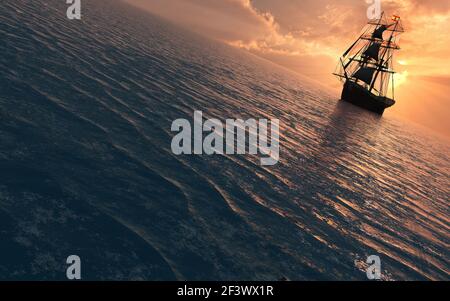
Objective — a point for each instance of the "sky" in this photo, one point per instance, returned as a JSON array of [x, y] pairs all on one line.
[[308, 36]]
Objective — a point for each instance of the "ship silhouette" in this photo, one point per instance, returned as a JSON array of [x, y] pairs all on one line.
[[366, 68]]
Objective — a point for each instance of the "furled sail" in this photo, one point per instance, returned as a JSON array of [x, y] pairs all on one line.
[[365, 74], [373, 51], [378, 33], [367, 63]]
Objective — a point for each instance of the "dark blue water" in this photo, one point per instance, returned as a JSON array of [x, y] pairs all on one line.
[[86, 166]]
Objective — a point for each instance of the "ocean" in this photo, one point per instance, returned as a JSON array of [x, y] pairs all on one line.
[[86, 166]]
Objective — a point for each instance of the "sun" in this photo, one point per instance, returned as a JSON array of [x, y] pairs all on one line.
[[400, 78]]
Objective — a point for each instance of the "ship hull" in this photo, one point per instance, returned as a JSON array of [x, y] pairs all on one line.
[[361, 97]]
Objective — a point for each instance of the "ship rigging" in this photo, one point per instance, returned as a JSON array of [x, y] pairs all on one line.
[[366, 68]]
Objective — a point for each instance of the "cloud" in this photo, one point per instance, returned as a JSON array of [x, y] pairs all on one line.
[[287, 31], [308, 36], [226, 20], [237, 22]]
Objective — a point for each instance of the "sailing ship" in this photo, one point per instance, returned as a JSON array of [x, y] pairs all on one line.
[[366, 68]]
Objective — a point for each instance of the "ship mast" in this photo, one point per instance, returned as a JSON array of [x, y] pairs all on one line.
[[386, 50], [368, 61]]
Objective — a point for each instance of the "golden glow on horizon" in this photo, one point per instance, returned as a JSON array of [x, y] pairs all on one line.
[[309, 36], [400, 78]]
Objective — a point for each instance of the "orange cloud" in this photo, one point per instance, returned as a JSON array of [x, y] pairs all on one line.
[[308, 36]]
